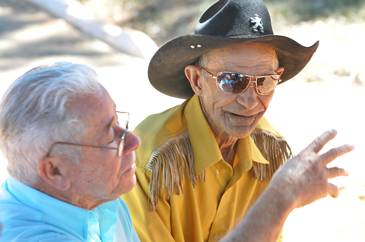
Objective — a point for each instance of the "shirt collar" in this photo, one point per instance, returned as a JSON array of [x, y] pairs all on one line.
[[72, 219], [205, 148], [247, 152]]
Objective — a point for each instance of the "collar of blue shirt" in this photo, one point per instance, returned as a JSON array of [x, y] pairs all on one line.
[[33, 206]]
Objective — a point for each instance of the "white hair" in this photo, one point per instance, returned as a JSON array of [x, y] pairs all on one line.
[[34, 114]]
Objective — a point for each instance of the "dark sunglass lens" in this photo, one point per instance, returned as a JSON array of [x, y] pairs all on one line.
[[242, 83], [225, 82], [232, 82], [266, 84], [261, 81]]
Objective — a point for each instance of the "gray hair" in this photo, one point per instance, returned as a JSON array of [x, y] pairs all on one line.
[[202, 60], [34, 114]]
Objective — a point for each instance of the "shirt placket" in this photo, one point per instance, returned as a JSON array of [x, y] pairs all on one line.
[[93, 227], [228, 177]]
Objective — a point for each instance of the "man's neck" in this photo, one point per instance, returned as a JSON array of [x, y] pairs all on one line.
[[227, 146], [226, 143], [68, 197]]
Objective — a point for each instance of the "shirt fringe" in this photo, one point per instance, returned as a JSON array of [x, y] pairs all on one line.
[[168, 165], [275, 149], [172, 160]]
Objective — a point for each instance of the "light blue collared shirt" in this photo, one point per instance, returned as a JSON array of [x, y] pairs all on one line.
[[27, 214]]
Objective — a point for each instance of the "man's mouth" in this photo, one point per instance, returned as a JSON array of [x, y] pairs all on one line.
[[242, 119], [131, 165], [244, 116]]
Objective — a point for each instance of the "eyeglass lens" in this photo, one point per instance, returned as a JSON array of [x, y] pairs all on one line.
[[121, 142], [123, 121], [237, 82]]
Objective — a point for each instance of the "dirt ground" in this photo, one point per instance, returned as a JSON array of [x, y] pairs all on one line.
[[329, 93]]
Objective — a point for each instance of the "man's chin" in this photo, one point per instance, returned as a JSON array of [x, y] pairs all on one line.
[[129, 184], [242, 129], [241, 132], [125, 186]]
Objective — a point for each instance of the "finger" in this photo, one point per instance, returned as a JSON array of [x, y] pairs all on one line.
[[334, 153], [321, 140], [335, 172], [332, 190]]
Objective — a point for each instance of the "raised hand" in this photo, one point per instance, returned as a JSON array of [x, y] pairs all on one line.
[[304, 178]]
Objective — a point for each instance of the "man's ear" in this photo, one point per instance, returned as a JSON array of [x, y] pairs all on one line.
[[280, 70], [193, 74], [53, 172]]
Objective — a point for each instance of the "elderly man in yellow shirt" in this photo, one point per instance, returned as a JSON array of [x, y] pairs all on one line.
[[202, 164]]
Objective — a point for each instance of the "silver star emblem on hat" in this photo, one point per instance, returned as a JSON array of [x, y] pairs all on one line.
[[256, 24]]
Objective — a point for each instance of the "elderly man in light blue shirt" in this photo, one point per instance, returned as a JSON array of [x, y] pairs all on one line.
[[70, 157]]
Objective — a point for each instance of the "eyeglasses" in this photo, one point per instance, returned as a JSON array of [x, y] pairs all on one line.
[[235, 82], [122, 119]]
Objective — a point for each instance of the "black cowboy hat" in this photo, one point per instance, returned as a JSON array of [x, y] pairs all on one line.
[[224, 23]]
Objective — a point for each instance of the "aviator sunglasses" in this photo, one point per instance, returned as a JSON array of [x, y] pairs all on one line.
[[235, 82]]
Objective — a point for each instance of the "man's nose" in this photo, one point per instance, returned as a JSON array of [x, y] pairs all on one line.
[[249, 98], [131, 142]]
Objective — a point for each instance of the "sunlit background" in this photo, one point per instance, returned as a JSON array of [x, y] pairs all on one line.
[[328, 93]]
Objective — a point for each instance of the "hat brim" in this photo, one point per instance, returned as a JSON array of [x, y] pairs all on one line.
[[166, 68]]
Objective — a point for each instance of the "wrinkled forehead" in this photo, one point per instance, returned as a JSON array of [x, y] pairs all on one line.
[[92, 105], [242, 52], [95, 111]]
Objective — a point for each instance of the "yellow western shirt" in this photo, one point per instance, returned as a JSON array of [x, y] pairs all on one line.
[[200, 202]]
